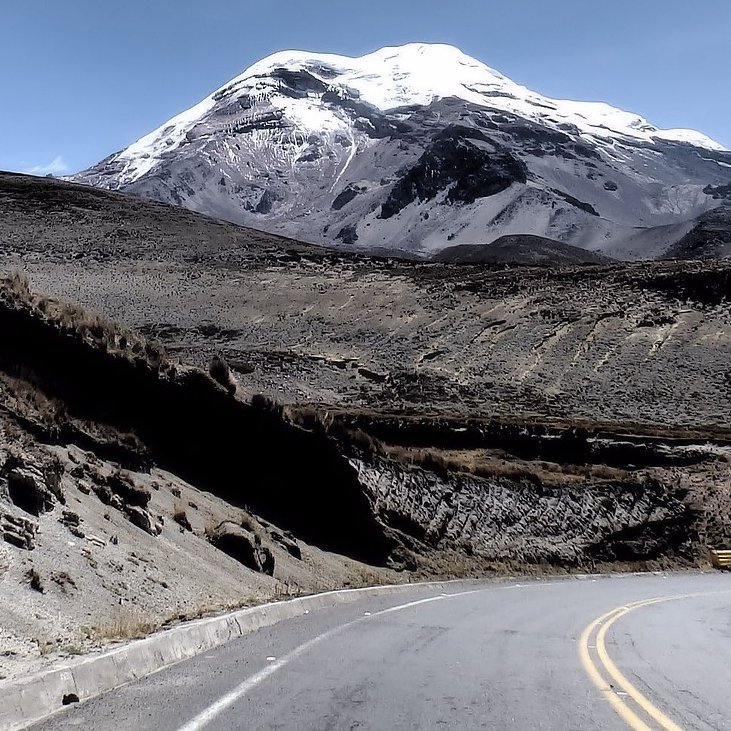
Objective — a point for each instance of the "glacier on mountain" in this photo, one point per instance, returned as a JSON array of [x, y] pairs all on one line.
[[320, 146]]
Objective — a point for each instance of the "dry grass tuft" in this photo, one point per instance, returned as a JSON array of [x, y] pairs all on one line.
[[210, 527], [87, 326], [287, 590], [221, 374], [46, 646], [17, 283], [248, 523], [483, 463], [127, 625], [180, 516]]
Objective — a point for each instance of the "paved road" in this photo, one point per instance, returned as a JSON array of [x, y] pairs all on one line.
[[589, 653]]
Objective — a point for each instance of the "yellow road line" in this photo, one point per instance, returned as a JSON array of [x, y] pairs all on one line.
[[621, 680], [602, 625], [619, 706]]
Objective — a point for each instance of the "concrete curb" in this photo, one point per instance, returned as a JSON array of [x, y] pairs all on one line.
[[29, 699]]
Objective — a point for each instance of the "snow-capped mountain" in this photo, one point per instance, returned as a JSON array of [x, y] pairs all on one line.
[[421, 147]]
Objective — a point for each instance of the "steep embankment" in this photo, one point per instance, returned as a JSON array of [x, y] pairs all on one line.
[[128, 485], [110, 383], [525, 493]]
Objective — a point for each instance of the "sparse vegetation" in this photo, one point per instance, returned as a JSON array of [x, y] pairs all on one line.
[[247, 522], [46, 645], [17, 283], [287, 590], [127, 625], [91, 328], [210, 527], [483, 463]]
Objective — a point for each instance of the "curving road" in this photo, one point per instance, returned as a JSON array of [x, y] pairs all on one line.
[[639, 652]]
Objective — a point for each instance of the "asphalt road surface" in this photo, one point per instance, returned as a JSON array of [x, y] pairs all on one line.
[[639, 652]]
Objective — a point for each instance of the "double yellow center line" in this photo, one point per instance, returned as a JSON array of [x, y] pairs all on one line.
[[609, 679]]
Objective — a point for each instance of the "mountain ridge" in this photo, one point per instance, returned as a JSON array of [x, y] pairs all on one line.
[[316, 146]]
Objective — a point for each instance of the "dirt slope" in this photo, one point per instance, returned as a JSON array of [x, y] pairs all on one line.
[[526, 250], [134, 490]]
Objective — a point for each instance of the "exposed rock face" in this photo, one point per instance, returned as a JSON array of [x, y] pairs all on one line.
[[28, 487], [244, 546], [710, 237], [18, 530], [31, 487], [455, 163], [288, 542], [131, 493], [505, 520], [141, 518], [73, 522]]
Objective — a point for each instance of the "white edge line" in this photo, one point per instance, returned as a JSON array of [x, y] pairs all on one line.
[[207, 715]]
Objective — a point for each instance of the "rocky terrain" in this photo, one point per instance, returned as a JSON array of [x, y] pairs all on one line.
[[120, 512], [437, 419], [421, 147], [307, 324]]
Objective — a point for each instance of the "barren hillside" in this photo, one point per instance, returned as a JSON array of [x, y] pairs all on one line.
[[391, 420]]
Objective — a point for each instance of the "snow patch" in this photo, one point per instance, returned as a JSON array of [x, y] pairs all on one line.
[[414, 74]]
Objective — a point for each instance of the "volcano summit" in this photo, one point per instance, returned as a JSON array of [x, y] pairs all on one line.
[[421, 147]]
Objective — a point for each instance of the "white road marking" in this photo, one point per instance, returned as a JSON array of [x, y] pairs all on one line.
[[215, 709]]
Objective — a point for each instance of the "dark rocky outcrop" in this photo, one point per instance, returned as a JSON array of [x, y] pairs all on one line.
[[299, 83], [142, 519], [18, 531], [581, 205], [347, 195], [288, 542], [708, 287], [266, 202], [455, 162], [718, 192], [348, 234], [131, 493], [34, 488], [522, 250], [72, 521], [243, 546], [710, 237]]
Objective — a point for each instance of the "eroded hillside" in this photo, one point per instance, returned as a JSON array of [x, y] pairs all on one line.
[[136, 491], [632, 342], [386, 419]]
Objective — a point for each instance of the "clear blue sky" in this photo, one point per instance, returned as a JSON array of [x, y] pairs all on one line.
[[81, 79]]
